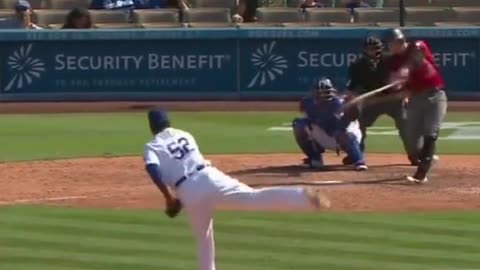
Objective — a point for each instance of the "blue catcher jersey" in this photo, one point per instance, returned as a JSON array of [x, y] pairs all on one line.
[[323, 113]]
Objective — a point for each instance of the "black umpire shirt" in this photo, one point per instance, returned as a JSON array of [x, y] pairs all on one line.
[[364, 77]]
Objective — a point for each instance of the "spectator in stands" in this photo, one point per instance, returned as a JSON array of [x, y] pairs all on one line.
[[78, 18], [246, 10], [304, 4], [138, 4], [22, 18], [353, 4]]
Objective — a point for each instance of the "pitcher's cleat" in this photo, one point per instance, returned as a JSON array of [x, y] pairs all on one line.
[[318, 200]]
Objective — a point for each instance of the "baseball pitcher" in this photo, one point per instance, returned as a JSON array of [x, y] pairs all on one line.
[[325, 128], [188, 181], [424, 87]]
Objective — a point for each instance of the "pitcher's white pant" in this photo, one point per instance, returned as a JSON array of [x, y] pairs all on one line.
[[328, 142], [205, 190]]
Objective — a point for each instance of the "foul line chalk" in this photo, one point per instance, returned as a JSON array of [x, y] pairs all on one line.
[[51, 199]]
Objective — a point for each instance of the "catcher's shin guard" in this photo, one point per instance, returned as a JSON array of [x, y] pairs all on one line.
[[349, 144], [309, 147]]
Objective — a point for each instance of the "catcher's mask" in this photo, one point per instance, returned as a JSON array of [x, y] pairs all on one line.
[[324, 89], [372, 50]]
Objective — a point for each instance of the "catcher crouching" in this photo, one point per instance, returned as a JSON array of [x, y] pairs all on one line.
[[325, 127]]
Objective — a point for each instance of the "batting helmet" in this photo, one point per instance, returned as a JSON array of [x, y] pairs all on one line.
[[324, 88], [394, 35]]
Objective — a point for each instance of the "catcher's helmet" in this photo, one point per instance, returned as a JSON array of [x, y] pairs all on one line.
[[394, 35], [324, 88]]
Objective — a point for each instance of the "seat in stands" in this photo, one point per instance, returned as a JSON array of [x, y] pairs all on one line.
[[304, 24], [10, 4], [467, 14], [6, 13], [456, 3], [161, 25], [408, 3], [211, 25], [109, 16], [155, 16], [116, 25], [230, 4], [279, 15], [258, 25], [44, 17], [375, 14], [363, 24], [457, 24], [219, 15], [396, 24], [67, 4], [428, 15], [328, 15]]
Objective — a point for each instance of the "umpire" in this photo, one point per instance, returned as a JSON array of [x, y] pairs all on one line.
[[368, 73]]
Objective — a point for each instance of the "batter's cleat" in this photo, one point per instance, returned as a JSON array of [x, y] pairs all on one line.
[[361, 167], [417, 181], [318, 200]]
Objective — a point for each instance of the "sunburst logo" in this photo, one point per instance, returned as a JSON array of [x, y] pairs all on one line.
[[269, 65], [25, 68]]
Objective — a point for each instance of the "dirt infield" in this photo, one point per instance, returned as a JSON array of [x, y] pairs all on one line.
[[122, 183]]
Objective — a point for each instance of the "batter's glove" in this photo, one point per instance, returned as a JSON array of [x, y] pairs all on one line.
[[174, 207]]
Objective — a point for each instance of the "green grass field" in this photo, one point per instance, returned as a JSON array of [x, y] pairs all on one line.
[[54, 238], [26, 137]]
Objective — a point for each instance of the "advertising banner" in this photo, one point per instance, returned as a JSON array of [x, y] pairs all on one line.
[[111, 66]]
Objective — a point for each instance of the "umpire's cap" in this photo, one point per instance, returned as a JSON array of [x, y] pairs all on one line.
[[393, 35], [158, 120]]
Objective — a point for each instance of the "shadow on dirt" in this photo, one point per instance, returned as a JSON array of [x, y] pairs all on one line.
[[297, 170], [290, 170], [385, 181]]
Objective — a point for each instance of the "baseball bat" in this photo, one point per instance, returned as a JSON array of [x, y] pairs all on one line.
[[362, 97]]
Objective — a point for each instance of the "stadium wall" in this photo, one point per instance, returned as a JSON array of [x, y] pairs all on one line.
[[207, 64]]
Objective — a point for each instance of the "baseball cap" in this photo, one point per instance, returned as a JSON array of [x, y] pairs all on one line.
[[22, 5], [158, 119]]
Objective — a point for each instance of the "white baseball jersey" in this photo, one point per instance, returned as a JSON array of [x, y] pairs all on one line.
[[176, 152], [178, 155]]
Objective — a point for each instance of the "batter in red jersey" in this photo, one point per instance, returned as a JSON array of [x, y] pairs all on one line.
[[425, 100]]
